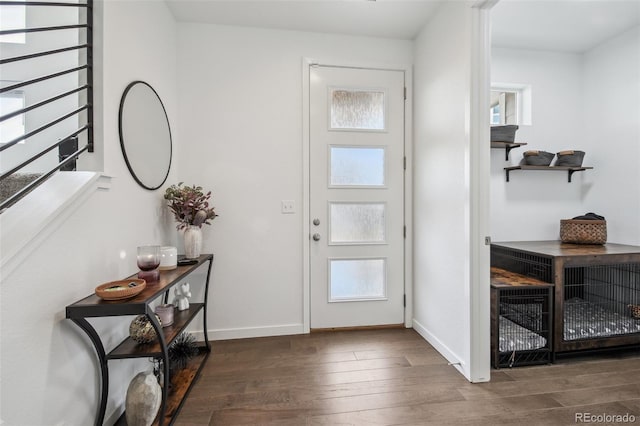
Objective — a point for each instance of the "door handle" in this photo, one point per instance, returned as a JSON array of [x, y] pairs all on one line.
[[316, 222], [316, 237]]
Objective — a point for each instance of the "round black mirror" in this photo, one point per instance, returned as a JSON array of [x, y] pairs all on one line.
[[145, 135]]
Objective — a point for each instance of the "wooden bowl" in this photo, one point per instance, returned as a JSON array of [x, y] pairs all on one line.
[[122, 289]]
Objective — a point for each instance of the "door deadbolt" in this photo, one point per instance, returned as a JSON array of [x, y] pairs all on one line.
[[316, 222], [316, 237]]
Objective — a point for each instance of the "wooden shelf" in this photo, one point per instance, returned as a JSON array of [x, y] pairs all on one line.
[[507, 146], [570, 170], [501, 278], [94, 306], [129, 348]]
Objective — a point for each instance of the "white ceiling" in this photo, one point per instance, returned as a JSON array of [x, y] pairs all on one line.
[[401, 19], [568, 26], [562, 25]]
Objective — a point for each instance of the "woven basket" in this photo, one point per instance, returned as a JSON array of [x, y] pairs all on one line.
[[583, 231], [538, 158], [503, 133], [570, 158]]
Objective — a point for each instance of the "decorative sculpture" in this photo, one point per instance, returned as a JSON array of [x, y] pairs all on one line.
[[181, 351], [182, 295], [144, 396], [141, 330]]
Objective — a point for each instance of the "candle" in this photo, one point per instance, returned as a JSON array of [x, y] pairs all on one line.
[[165, 312], [148, 261]]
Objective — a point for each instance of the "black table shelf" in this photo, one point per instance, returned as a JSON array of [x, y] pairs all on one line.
[[174, 388]]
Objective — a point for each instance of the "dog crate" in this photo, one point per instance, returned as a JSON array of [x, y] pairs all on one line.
[[600, 301], [596, 290], [521, 320]]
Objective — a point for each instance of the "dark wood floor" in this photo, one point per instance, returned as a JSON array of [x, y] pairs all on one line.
[[378, 377]]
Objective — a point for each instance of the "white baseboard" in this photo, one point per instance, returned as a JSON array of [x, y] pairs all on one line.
[[444, 350], [248, 332]]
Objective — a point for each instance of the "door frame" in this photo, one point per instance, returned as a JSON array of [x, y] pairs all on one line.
[[307, 63], [480, 173]]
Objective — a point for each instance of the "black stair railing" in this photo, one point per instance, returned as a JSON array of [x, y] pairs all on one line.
[[80, 67]]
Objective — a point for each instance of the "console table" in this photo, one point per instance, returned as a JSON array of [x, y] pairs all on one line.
[[93, 306]]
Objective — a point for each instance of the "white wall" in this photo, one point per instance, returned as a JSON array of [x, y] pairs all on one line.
[[588, 101], [49, 368], [442, 77], [530, 206], [612, 133], [241, 125]]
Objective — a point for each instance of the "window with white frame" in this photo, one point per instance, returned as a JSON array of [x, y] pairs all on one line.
[[510, 104]]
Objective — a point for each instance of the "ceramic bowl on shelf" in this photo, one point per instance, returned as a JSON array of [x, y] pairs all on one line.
[[168, 258], [122, 289]]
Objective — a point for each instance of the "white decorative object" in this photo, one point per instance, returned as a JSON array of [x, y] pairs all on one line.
[[182, 293], [144, 396], [192, 241], [168, 258]]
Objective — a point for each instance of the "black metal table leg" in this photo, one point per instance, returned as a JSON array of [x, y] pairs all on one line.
[[165, 361], [206, 299], [97, 344]]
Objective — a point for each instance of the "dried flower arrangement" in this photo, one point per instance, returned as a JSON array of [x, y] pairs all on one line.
[[189, 205]]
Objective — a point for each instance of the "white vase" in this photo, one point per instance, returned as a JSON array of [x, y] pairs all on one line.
[[192, 241], [144, 396]]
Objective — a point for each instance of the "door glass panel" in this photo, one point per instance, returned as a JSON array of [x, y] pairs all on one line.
[[352, 223], [357, 109], [357, 279], [356, 166]]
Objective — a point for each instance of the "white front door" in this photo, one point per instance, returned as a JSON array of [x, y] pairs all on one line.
[[356, 197]]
